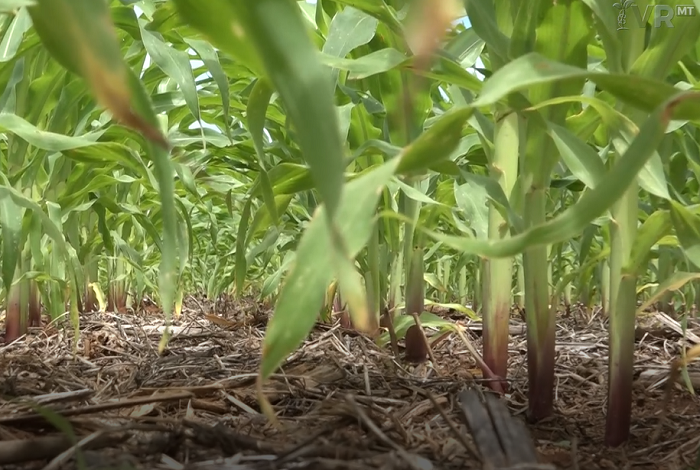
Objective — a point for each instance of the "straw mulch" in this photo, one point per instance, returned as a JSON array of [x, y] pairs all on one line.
[[343, 403]]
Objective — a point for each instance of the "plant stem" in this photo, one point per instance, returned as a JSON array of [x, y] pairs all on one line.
[[498, 273]]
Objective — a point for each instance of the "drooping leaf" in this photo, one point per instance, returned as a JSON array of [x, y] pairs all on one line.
[[81, 36], [304, 290], [534, 69]]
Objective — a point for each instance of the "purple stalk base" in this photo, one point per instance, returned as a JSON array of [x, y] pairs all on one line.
[[495, 337], [13, 318], [34, 315], [617, 423], [620, 376], [540, 360]]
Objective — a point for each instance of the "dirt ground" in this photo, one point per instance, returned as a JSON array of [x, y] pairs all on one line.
[[343, 403]]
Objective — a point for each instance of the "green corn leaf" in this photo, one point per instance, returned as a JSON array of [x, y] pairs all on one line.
[[257, 109], [687, 227], [210, 58], [404, 322], [176, 64], [657, 226], [49, 226], [241, 263], [226, 29], [281, 43], [435, 144], [671, 284], [525, 29], [304, 289], [579, 157], [466, 48], [12, 39], [349, 29], [651, 178], [262, 218], [593, 203], [497, 197], [368, 65], [45, 140], [483, 19], [11, 224], [668, 45], [606, 26], [81, 36], [378, 9], [534, 69]]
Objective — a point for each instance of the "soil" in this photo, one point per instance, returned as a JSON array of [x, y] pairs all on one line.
[[341, 401]]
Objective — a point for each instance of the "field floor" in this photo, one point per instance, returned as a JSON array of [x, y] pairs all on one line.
[[343, 403]]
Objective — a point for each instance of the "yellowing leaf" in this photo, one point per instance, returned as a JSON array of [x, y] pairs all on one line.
[[81, 36]]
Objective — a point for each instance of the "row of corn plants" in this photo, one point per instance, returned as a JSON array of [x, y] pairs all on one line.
[[342, 150]]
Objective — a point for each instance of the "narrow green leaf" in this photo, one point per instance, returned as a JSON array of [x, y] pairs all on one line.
[[211, 61], [535, 69], [448, 71], [349, 29], [673, 283], [497, 197], [466, 48], [225, 28], [368, 65], [413, 193], [522, 40], [262, 219], [48, 225], [14, 35], [304, 290], [11, 224], [471, 200], [404, 322], [562, 35], [657, 226], [667, 46], [258, 102], [81, 36], [652, 177], [45, 140], [279, 35], [241, 264], [378, 9], [482, 16], [176, 64], [579, 157], [606, 25], [321, 18], [436, 143], [687, 226], [345, 119], [63, 425]]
